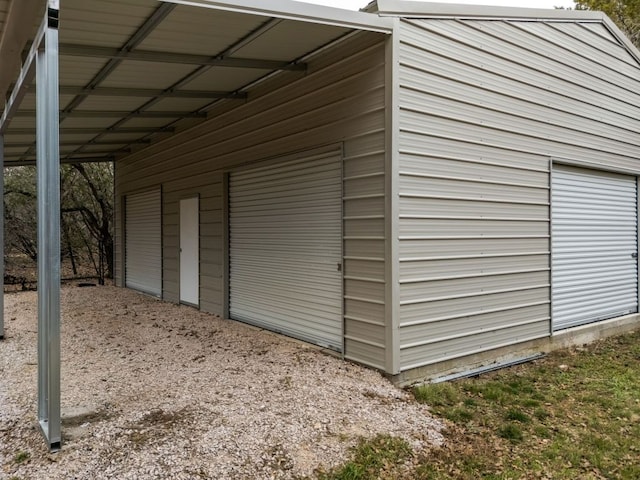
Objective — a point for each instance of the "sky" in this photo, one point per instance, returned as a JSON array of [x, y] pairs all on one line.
[[357, 4]]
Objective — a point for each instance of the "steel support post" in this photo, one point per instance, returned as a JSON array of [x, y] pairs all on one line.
[[2, 233], [48, 167]]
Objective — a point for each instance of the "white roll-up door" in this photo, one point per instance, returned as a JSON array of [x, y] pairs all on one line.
[[285, 242], [143, 242], [594, 246]]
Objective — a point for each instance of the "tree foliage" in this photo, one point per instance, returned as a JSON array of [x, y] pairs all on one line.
[[625, 13], [86, 215]]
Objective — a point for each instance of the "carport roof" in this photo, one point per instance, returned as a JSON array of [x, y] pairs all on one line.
[[133, 70]]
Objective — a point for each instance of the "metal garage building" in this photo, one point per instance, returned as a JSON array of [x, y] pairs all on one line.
[[424, 188]]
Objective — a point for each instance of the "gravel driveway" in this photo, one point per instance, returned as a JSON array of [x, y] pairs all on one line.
[[155, 390]]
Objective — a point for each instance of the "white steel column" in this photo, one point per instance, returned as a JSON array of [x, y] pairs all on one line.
[[48, 159], [2, 233]]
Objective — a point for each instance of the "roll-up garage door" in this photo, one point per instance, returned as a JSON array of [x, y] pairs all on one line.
[[143, 242], [285, 243], [594, 246]]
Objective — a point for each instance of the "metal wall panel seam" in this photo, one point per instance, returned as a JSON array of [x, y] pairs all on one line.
[[479, 218], [423, 154], [478, 275], [364, 320], [364, 300], [470, 257], [473, 180], [364, 279], [417, 323], [472, 294], [372, 153], [363, 217], [470, 333], [364, 176], [527, 134], [506, 147], [473, 199], [366, 342], [367, 259], [469, 108]]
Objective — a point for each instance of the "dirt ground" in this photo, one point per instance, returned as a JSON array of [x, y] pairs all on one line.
[[155, 390]]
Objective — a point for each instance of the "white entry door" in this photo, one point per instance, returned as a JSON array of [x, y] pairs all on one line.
[[189, 251]]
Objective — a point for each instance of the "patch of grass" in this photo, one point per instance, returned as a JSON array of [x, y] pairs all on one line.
[[459, 415], [517, 416], [511, 431], [21, 457], [370, 459], [574, 414], [438, 394]]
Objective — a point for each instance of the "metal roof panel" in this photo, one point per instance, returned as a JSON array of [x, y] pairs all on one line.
[[170, 36], [276, 43], [135, 74]]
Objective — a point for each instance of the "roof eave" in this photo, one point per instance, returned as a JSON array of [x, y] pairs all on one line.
[[306, 12], [621, 37], [405, 8]]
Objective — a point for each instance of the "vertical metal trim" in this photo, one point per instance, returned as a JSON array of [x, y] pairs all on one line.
[[114, 254], [2, 233], [123, 240], [392, 207], [551, 329], [638, 238], [162, 289], [226, 247], [48, 169], [343, 352]]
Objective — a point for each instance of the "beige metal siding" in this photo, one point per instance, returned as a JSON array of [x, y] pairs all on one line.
[[339, 100], [483, 107]]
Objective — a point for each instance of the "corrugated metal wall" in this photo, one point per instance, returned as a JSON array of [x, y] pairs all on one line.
[[340, 99], [484, 107]]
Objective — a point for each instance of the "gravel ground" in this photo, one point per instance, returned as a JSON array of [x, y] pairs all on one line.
[[155, 390]]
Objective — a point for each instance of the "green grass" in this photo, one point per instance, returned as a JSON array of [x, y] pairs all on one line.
[[21, 457], [372, 459], [574, 414]]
